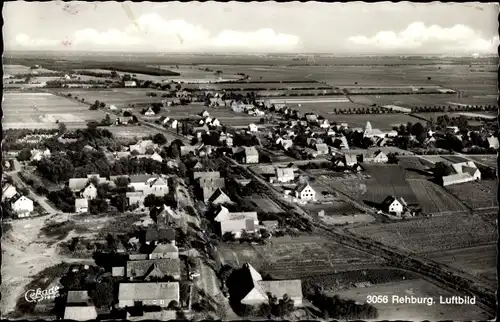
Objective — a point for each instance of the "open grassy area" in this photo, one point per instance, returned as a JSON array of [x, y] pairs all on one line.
[[476, 194], [434, 234], [433, 199], [120, 97], [383, 122], [42, 110]]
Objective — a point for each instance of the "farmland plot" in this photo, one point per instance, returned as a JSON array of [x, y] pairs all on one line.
[[251, 86], [334, 208], [121, 97], [297, 256], [477, 260], [264, 73], [477, 195], [433, 199], [379, 121], [263, 204], [434, 234], [42, 110], [418, 312], [415, 167], [16, 69], [387, 180], [488, 160], [136, 131]]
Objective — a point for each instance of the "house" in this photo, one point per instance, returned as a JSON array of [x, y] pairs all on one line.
[[393, 205], [89, 192], [146, 270], [118, 271], [305, 192], [80, 313], [236, 222], [204, 114], [136, 198], [174, 124], [340, 142], [452, 129], [253, 128], [251, 155], [208, 182], [146, 294], [219, 197], [285, 175], [375, 157], [165, 251], [78, 298], [22, 206], [463, 172], [81, 205], [313, 118], [287, 144], [493, 142], [325, 124], [157, 186], [149, 112], [200, 131], [155, 156], [322, 149], [130, 84], [166, 216], [124, 120], [142, 146], [215, 122], [113, 108], [187, 149], [8, 192], [270, 224], [155, 234], [257, 289], [37, 155]]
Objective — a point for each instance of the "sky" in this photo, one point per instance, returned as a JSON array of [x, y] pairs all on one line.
[[257, 27]]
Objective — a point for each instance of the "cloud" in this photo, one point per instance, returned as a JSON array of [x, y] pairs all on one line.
[[459, 38], [151, 31]]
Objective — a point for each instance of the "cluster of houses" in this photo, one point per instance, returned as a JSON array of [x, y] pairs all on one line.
[[22, 206], [141, 186]]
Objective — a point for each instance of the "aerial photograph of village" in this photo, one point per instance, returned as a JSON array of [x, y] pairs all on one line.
[[249, 161]]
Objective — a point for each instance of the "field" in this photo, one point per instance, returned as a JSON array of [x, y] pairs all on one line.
[[264, 73], [387, 180], [383, 122], [433, 199], [42, 110], [119, 97], [195, 74], [476, 195], [244, 86], [479, 260], [16, 69], [488, 160], [434, 234], [135, 131], [334, 208], [262, 204], [418, 312], [293, 257]]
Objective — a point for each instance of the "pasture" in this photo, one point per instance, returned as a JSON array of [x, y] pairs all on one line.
[[477, 195], [384, 122], [435, 200], [121, 97], [415, 167], [426, 235], [488, 160], [137, 131], [476, 260], [42, 110], [334, 208], [326, 109], [418, 312], [263, 204], [196, 74], [244, 86], [264, 73], [293, 257], [16, 69]]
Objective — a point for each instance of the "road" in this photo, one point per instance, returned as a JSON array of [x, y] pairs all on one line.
[[32, 194], [445, 277]]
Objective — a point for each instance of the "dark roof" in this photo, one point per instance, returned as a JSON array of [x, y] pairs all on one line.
[[154, 234], [139, 268]]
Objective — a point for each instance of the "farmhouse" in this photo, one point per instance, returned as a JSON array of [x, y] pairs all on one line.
[[305, 192], [322, 149], [146, 270], [81, 205], [350, 160], [89, 192], [113, 108], [200, 131], [136, 198], [393, 205], [208, 183], [149, 112], [257, 289], [253, 128], [251, 155], [236, 222], [124, 120], [493, 142], [373, 157], [130, 84], [157, 294], [22, 206], [464, 172], [142, 146]]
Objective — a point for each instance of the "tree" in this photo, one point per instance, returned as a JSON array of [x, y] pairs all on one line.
[[228, 236], [24, 191], [150, 201], [103, 295], [62, 128], [225, 272], [159, 139], [392, 158], [121, 202], [418, 130], [24, 154], [441, 169]]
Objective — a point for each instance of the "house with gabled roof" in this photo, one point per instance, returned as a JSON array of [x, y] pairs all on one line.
[[258, 290], [374, 157], [463, 172], [236, 222], [493, 142], [148, 294], [37, 155], [165, 250], [22, 206], [305, 192], [78, 298], [155, 156], [219, 197], [285, 175], [208, 182], [89, 192], [322, 149], [393, 205], [130, 84], [350, 159], [253, 127], [81, 205], [146, 270]]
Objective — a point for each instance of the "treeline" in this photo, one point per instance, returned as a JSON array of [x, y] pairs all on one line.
[[449, 108], [304, 81]]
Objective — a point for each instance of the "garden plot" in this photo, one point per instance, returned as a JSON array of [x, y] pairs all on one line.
[[435, 200], [477, 195]]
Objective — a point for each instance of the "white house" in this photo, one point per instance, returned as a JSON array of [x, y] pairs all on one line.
[[130, 84], [252, 127], [464, 172], [89, 192], [81, 205], [215, 122], [285, 175], [205, 113], [322, 149], [350, 160], [174, 124], [305, 192], [393, 206], [22, 206], [493, 142], [149, 112], [155, 156], [113, 108], [236, 222], [37, 155], [251, 155]]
